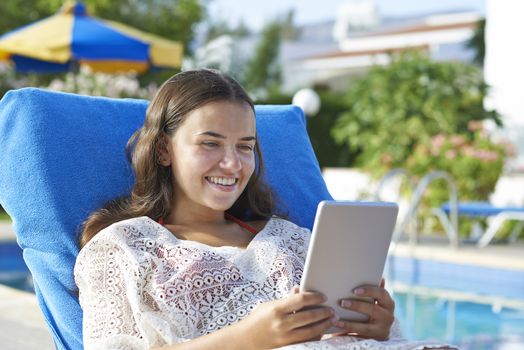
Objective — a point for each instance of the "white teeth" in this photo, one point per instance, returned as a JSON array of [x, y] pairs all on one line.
[[224, 181]]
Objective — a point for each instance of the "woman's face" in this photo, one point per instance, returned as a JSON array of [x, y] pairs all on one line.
[[212, 156]]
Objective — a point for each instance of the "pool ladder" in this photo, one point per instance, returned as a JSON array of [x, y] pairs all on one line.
[[408, 223]]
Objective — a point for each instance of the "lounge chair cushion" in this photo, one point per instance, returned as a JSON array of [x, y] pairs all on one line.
[[481, 209], [63, 157]]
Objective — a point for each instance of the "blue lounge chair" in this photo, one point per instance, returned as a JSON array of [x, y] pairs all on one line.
[[63, 156], [498, 215]]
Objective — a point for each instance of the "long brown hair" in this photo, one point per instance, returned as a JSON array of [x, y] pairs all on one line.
[[152, 192]]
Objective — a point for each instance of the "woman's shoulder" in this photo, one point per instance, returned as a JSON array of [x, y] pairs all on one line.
[[124, 240], [283, 227], [289, 235], [124, 233], [288, 222]]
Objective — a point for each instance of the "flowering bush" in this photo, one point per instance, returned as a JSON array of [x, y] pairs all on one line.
[[10, 80], [474, 161], [394, 108], [86, 82], [83, 82]]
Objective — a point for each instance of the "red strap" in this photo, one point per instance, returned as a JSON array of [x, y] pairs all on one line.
[[241, 223], [228, 217]]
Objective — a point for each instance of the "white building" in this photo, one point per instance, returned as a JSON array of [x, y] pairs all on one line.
[[369, 40], [504, 69], [333, 52]]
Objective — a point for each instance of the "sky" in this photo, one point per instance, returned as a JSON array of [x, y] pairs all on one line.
[[257, 12]]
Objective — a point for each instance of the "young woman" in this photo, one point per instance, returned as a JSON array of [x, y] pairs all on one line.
[[174, 266]]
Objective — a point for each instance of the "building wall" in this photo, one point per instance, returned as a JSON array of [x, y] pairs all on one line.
[[504, 69]]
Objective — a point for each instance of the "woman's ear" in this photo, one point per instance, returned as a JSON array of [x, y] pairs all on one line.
[[162, 151]]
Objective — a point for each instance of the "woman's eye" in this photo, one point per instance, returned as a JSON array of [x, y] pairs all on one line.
[[210, 144], [246, 147]]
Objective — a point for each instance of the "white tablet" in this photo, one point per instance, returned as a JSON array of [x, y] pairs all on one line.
[[348, 249]]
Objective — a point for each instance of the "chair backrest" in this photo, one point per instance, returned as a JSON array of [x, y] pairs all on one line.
[[63, 157]]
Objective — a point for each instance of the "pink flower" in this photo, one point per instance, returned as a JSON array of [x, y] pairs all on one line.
[[468, 151], [386, 159], [474, 125], [450, 154], [509, 148], [457, 140], [438, 141], [486, 155]]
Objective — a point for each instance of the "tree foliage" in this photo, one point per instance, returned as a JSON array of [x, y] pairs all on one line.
[[395, 107], [16, 13], [287, 26], [172, 19], [263, 70], [222, 27], [327, 151], [478, 43]]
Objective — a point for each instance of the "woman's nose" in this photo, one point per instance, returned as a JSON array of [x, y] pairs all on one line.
[[231, 160]]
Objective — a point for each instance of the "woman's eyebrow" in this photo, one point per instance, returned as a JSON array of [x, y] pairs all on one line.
[[212, 134], [220, 136]]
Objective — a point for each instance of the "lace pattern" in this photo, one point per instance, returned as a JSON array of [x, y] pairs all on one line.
[[142, 287]]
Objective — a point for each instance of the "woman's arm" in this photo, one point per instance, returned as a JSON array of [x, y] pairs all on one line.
[[103, 272], [272, 324]]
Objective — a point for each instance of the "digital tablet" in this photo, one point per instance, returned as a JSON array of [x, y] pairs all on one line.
[[348, 249]]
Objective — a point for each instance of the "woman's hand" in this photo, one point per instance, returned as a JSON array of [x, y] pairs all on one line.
[[299, 317], [381, 313]]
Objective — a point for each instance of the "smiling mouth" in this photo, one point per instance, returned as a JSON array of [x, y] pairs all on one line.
[[222, 181]]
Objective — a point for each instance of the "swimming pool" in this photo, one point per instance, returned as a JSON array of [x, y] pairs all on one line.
[[475, 307], [13, 270], [472, 326], [425, 309]]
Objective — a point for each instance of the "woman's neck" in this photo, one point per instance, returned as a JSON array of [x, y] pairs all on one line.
[[192, 216]]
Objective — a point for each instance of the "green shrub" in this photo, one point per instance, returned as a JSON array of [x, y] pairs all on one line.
[[329, 153]]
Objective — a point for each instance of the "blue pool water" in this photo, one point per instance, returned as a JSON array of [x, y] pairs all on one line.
[[13, 271], [472, 326]]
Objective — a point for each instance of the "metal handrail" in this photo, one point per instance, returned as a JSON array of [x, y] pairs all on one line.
[[452, 228], [390, 175], [403, 174]]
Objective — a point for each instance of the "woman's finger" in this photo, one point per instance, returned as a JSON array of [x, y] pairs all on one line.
[[310, 316], [376, 293], [295, 302], [373, 311]]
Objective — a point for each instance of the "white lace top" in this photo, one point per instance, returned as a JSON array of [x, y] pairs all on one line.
[[141, 287]]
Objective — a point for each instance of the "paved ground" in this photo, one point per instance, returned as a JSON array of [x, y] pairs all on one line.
[[6, 231], [504, 256], [21, 322]]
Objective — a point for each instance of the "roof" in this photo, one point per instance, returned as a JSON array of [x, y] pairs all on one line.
[[336, 54]]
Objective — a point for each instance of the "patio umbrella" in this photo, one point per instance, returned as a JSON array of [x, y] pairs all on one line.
[[72, 38]]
